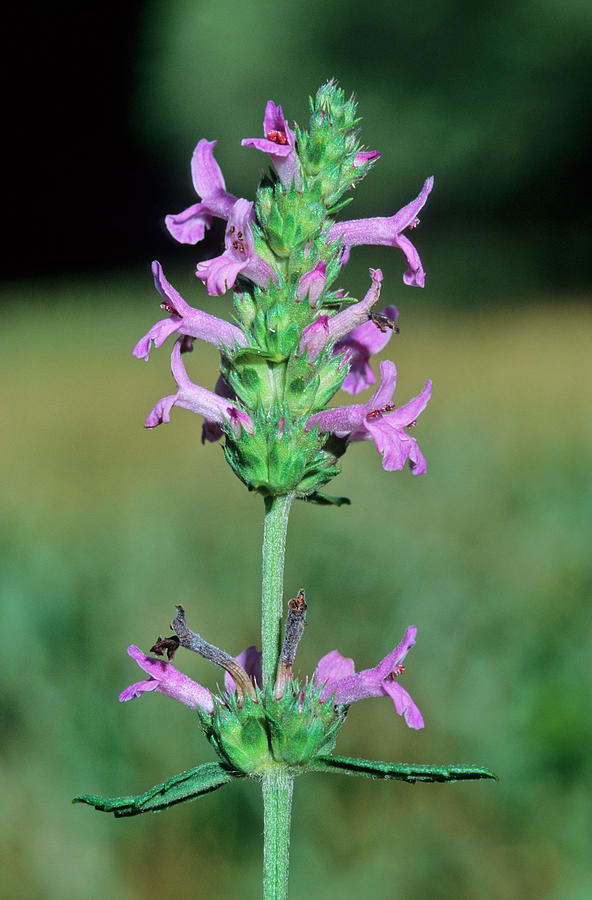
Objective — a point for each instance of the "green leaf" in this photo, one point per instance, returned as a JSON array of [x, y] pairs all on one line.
[[338, 206], [326, 499], [185, 786], [397, 771]]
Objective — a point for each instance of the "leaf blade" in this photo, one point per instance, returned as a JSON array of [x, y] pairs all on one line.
[[399, 771], [187, 785]]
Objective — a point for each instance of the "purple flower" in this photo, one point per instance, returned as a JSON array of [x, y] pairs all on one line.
[[341, 681], [186, 320], [166, 679], [379, 421], [219, 274], [324, 329], [189, 226], [312, 284], [388, 232], [365, 156], [359, 345], [211, 431], [190, 396], [280, 144]]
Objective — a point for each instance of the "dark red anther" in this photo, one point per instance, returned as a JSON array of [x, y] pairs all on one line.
[[277, 137], [412, 424], [397, 670], [374, 414], [168, 308], [413, 224], [388, 408]]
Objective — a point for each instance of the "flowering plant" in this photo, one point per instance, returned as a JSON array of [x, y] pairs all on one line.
[[296, 340]]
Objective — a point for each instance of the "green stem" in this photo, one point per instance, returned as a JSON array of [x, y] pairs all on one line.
[[277, 803], [277, 783], [277, 510]]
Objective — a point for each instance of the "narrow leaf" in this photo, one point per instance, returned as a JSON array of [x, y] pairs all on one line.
[[326, 499], [338, 206], [185, 786], [398, 771]]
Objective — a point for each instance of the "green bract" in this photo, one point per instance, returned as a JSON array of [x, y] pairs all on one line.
[[291, 730]]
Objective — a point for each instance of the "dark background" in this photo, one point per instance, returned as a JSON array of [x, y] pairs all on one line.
[[104, 103]]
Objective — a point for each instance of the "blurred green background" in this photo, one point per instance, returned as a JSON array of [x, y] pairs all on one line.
[[106, 527]]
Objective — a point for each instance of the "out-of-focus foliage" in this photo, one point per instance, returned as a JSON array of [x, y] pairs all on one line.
[[488, 97], [106, 527]]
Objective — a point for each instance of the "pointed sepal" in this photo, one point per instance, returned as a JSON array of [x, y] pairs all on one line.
[[186, 786], [398, 771]]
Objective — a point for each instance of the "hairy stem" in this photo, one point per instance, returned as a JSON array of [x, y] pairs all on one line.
[[277, 801], [277, 510], [277, 782]]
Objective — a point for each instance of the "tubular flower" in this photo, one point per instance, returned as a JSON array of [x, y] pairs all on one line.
[[341, 681], [379, 421], [359, 345], [325, 330], [388, 232], [312, 284], [279, 143], [220, 273], [365, 156], [211, 431], [213, 408], [166, 679], [188, 227], [186, 320]]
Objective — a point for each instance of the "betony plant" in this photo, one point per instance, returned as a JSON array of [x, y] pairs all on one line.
[[297, 338]]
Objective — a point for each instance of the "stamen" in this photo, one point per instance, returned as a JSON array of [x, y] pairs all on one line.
[[397, 670], [277, 137], [413, 224], [377, 413], [168, 307], [412, 424]]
